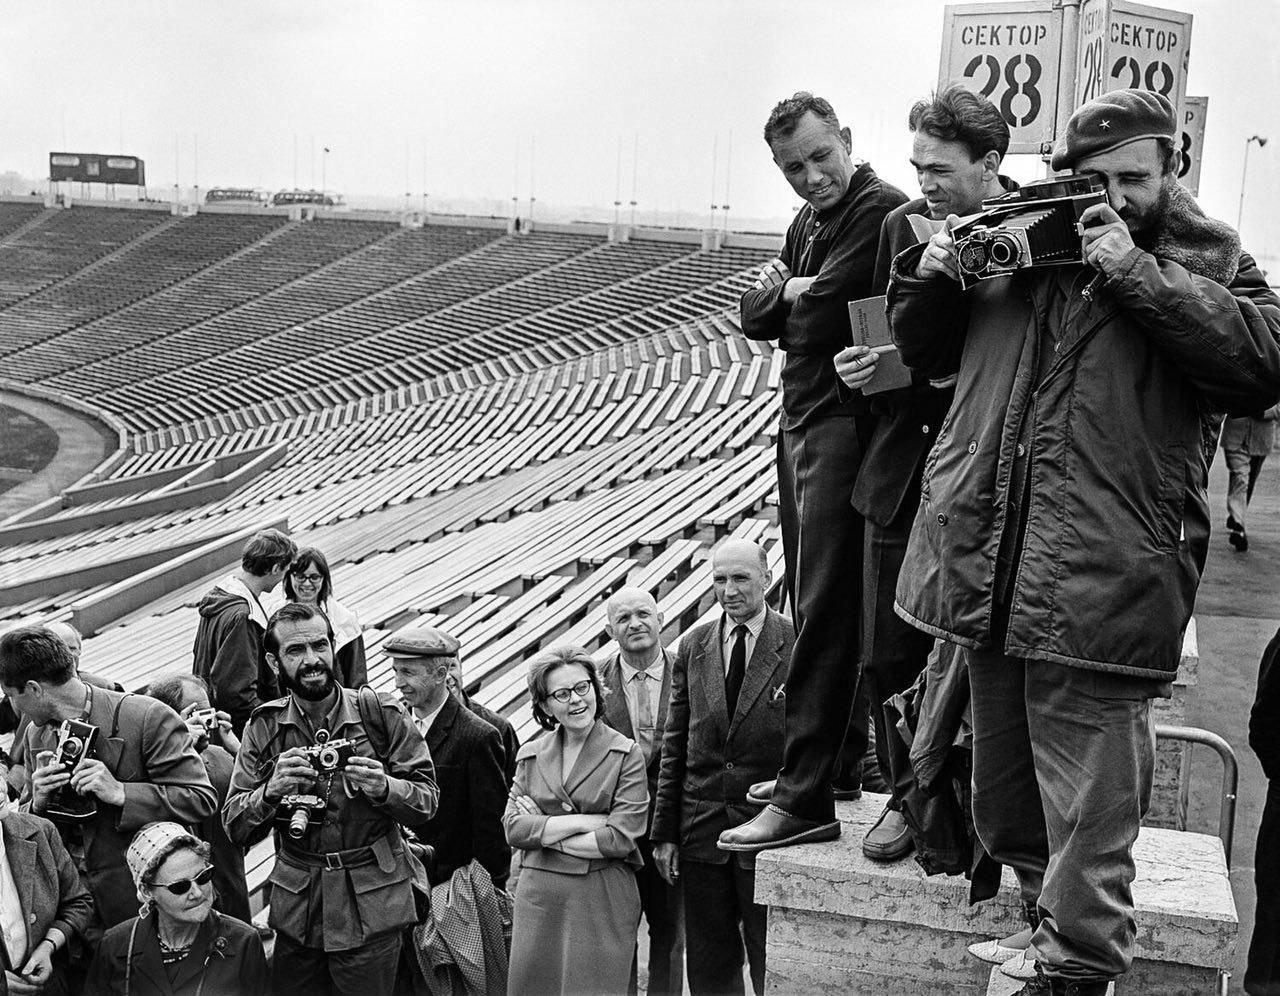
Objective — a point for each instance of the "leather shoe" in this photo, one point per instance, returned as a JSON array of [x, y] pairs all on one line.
[[889, 839], [761, 793], [1000, 949], [772, 827]]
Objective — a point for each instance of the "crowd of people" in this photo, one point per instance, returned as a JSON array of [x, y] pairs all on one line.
[[1001, 555]]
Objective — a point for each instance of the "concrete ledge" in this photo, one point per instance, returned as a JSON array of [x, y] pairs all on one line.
[[89, 615], [844, 922]]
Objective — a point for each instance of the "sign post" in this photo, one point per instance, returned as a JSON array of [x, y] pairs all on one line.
[[1194, 112], [1127, 45]]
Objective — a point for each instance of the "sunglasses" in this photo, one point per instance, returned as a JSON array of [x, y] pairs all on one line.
[[563, 694], [183, 885]]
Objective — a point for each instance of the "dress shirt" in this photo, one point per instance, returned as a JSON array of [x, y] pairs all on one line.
[[423, 723], [12, 920], [630, 688], [754, 625]]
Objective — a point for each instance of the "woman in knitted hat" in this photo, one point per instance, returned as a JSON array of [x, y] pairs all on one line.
[[177, 945]]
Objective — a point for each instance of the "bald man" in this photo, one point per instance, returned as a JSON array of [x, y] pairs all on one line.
[[637, 678], [724, 731]]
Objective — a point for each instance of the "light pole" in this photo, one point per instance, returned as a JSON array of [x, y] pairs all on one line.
[[324, 169], [1261, 140]]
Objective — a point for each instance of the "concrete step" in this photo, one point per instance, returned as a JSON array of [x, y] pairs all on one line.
[[842, 923]]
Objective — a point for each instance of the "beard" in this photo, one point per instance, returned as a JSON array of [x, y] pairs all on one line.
[[1145, 226], [311, 693]]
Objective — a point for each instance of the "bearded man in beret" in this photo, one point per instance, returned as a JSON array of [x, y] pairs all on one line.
[[1064, 520]]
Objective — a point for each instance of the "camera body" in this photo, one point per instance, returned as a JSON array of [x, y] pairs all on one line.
[[76, 741], [208, 718], [329, 756], [1036, 225], [297, 812]]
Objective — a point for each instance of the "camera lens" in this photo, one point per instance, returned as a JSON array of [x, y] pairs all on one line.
[[1004, 251], [327, 759], [298, 823], [972, 257], [72, 747]]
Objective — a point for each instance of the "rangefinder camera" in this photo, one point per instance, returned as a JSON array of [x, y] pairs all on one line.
[[329, 756], [1036, 225], [297, 812], [208, 718], [76, 741]]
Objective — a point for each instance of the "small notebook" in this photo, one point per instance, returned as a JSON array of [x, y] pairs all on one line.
[[871, 328]]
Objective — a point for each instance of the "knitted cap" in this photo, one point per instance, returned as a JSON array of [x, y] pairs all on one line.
[[152, 844], [1114, 119]]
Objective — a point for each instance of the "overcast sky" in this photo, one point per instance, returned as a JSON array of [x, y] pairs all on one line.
[[490, 95]]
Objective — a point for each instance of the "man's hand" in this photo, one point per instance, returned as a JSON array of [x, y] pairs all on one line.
[[856, 365], [227, 735], [92, 777], [1106, 239], [795, 287], [939, 257], [39, 967], [46, 780], [20, 986], [667, 858], [366, 774], [772, 274], [293, 774]]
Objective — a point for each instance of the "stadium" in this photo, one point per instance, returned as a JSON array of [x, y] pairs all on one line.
[[489, 424]]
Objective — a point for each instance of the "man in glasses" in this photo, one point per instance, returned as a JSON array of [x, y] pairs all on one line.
[[724, 731], [228, 648]]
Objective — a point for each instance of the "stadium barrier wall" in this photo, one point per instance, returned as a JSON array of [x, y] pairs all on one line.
[[89, 615]]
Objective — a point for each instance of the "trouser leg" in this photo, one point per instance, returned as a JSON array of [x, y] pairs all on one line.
[[663, 909], [1237, 484], [893, 652], [296, 968], [369, 969], [755, 922], [822, 461], [1255, 469], [1094, 746], [713, 942], [1262, 977], [1006, 810]]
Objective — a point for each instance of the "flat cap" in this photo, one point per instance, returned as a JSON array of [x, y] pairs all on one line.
[[421, 641], [1114, 119]]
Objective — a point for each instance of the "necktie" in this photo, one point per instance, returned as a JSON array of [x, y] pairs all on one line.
[[644, 714], [737, 669]]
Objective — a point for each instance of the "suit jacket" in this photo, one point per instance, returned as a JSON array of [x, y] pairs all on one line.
[[510, 742], [468, 756], [607, 778], [149, 749], [617, 715], [49, 886], [226, 959], [710, 758]]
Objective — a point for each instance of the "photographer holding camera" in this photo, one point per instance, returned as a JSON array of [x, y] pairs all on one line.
[[105, 763], [343, 886], [1063, 521]]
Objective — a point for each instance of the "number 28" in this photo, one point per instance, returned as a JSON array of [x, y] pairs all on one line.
[[1013, 85]]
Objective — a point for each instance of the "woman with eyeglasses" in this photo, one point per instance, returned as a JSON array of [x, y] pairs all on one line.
[[308, 580], [178, 944], [578, 805]]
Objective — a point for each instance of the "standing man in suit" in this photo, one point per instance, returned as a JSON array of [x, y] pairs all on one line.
[[467, 753], [724, 731], [510, 741], [637, 682]]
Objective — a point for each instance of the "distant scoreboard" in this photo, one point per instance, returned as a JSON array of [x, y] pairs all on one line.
[[90, 167]]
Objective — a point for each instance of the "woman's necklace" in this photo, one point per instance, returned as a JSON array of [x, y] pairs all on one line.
[[176, 949]]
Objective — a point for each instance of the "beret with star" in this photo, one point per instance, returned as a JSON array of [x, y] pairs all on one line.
[[1114, 119]]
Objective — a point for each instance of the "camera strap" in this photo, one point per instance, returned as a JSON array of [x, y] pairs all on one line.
[[375, 723]]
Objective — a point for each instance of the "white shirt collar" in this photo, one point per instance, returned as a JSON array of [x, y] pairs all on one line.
[[423, 722], [654, 670]]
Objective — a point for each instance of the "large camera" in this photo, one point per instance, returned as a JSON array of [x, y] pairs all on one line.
[[298, 812], [328, 756], [1036, 225], [76, 741]]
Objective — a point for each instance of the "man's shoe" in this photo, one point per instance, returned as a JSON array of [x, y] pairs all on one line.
[[1021, 966], [1239, 540], [1231, 522], [999, 950], [772, 827], [761, 793], [889, 839], [845, 793]]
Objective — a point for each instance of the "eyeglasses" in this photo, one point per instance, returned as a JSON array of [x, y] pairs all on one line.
[[183, 885], [309, 578], [564, 694]]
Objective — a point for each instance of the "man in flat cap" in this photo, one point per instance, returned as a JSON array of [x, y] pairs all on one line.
[[1063, 520], [467, 752]]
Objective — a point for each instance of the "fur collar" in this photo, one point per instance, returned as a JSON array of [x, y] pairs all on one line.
[[1198, 243]]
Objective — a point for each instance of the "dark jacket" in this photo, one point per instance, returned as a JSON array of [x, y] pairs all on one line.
[[617, 716], [510, 741], [710, 759], [149, 749], [228, 652], [49, 887], [1103, 406], [838, 246], [226, 959], [467, 753], [373, 892], [1264, 719], [228, 857]]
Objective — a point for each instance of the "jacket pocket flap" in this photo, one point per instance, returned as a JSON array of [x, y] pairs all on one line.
[[366, 878], [290, 878]]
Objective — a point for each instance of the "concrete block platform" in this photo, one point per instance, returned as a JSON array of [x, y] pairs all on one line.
[[841, 923]]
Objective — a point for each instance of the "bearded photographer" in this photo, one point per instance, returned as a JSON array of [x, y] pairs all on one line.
[[130, 762], [1064, 521], [338, 775]]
